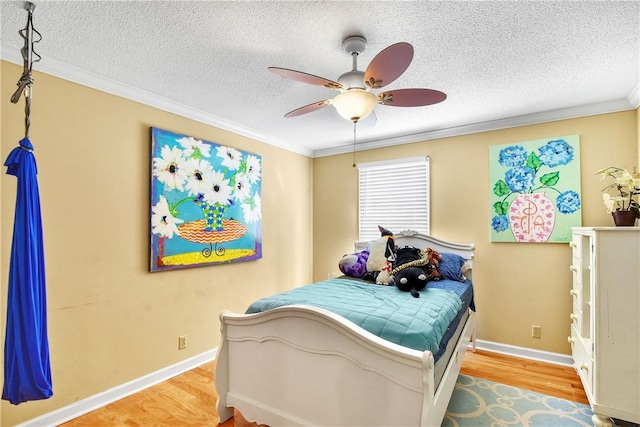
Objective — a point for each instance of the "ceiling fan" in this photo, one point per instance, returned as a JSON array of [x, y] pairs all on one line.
[[356, 101]]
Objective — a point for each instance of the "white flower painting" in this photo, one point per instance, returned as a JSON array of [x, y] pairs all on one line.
[[206, 204]]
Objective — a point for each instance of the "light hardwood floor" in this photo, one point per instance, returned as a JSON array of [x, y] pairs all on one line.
[[190, 399]]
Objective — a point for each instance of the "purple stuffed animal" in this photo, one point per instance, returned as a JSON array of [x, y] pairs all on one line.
[[354, 265]]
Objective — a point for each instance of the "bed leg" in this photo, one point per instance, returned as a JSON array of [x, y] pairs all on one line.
[[221, 375], [473, 340], [225, 413]]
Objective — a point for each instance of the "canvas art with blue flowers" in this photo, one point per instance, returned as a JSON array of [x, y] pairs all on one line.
[[535, 190], [205, 202]]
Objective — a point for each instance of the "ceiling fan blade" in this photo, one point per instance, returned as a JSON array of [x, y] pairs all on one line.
[[388, 65], [308, 108], [305, 78], [411, 97]]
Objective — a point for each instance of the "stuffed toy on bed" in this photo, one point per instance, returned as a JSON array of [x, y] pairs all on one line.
[[408, 273], [381, 254], [374, 263], [414, 268], [385, 277], [381, 250], [354, 265], [432, 267]]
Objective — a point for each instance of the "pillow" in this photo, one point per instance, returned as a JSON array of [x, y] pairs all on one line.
[[451, 266], [354, 265]]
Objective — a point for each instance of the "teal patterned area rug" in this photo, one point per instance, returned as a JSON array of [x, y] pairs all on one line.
[[478, 402]]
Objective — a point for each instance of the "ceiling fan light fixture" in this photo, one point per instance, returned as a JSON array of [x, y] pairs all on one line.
[[355, 104]]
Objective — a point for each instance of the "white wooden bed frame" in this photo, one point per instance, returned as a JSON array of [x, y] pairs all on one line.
[[301, 365]]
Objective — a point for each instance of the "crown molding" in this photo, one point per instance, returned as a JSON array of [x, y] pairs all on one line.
[[76, 75], [510, 122], [634, 96]]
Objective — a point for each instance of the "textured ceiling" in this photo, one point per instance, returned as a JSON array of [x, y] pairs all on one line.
[[498, 62]]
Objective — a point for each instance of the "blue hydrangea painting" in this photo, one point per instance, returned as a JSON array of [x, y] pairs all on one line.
[[535, 190], [206, 204]]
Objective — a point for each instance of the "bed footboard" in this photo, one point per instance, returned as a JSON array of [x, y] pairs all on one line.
[[301, 365]]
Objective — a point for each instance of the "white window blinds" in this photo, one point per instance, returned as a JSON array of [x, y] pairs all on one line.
[[395, 195]]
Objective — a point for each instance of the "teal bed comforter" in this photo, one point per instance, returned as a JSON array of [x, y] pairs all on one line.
[[417, 323]]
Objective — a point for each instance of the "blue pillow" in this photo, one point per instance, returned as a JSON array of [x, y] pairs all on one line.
[[451, 266]]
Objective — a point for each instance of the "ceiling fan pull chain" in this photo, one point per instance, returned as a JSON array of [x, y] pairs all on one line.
[[354, 143]]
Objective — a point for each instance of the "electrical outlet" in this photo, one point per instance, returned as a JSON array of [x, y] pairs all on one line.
[[536, 331], [182, 342]]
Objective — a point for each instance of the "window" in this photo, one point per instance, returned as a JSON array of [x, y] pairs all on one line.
[[395, 195]]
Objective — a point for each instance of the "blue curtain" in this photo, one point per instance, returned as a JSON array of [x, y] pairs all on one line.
[[27, 369]]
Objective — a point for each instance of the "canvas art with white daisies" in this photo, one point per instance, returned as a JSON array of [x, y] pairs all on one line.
[[205, 202]]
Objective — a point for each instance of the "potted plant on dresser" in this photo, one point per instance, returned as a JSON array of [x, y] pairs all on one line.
[[620, 197]]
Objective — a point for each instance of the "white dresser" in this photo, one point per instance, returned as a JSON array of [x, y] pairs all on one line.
[[605, 321]]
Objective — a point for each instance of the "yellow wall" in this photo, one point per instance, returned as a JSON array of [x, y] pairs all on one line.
[[517, 285], [110, 320]]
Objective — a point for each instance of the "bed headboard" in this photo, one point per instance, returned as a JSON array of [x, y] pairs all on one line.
[[420, 240]]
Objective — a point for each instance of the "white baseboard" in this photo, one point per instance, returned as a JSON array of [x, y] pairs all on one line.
[[525, 352], [99, 400]]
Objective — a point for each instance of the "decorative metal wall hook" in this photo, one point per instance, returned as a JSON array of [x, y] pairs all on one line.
[[30, 36]]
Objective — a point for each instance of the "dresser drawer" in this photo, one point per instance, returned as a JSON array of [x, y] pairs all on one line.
[[576, 319], [576, 246], [576, 273], [582, 361], [576, 297]]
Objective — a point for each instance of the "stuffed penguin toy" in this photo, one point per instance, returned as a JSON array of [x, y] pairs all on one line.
[[381, 252]]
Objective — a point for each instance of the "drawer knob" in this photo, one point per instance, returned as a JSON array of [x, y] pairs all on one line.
[[573, 245], [573, 268], [573, 293], [573, 318], [584, 367], [570, 340]]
